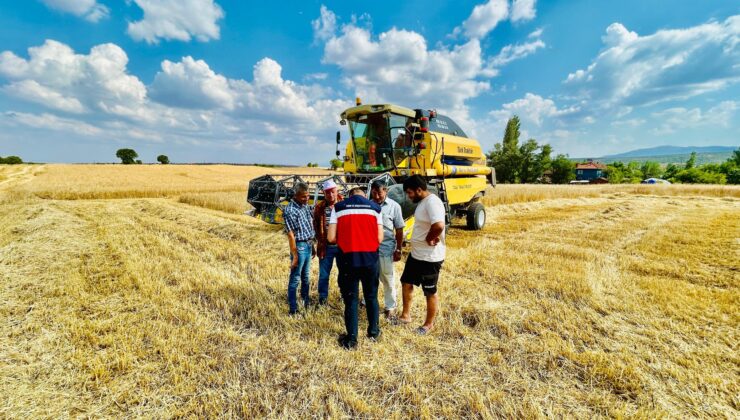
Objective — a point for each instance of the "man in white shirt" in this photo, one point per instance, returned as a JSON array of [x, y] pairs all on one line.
[[427, 250]]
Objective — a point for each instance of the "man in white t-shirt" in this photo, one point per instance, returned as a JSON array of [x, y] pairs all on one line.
[[427, 250]]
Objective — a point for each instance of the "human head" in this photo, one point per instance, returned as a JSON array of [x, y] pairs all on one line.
[[416, 188], [300, 191], [330, 192], [356, 191], [378, 191]]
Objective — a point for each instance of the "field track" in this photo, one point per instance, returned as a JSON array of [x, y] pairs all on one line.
[[612, 305]]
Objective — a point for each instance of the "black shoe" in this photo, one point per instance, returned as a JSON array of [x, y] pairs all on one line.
[[346, 342], [322, 301], [293, 312], [374, 338]]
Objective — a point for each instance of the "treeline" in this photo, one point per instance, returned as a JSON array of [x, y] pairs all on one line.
[[10, 160], [531, 162], [727, 172]]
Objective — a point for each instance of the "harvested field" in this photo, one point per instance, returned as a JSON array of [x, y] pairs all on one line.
[[623, 303]]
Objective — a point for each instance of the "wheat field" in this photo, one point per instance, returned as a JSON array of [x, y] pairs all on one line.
[[142, 292]]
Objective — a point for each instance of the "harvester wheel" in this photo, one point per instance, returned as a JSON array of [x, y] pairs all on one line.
[[476, 216]]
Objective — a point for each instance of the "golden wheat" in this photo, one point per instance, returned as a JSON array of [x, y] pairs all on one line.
[[618, 304]]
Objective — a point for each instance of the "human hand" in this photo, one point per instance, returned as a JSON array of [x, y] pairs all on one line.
[[313, 252], [433, 241], [397, 255], [294, 260]]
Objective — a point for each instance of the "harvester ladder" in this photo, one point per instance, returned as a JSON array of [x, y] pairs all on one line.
[[442, 194]]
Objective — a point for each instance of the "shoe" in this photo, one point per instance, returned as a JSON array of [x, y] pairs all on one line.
[[293, 312], [322, 301], [362, 303], [423, 331], [375, 338], [390, 314], [346, 342]]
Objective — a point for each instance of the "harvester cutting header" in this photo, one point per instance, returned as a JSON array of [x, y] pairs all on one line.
[[391, 143]]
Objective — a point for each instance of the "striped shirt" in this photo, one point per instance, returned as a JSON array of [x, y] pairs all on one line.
[[299, 220], [357, 220]]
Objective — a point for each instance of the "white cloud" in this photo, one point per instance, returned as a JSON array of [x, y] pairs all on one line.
[[514, 52], [32, 91], [673, 119], [89, 10], [533, 108], [325, 26], [673, 64], [191, 84], [179, 20], [523, 10], [50, 122], [485, 17], [410, 73], [58, 78]]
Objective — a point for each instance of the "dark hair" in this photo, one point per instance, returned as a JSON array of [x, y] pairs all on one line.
[[377, 185], [355, 191], [414, 182], [300, 188]]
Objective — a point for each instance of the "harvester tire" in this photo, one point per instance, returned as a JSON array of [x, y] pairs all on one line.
[[476, 216]]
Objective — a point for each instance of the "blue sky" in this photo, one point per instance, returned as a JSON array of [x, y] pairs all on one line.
[[243, 81]]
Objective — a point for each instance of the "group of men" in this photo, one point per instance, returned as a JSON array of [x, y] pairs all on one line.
[[365, 237]]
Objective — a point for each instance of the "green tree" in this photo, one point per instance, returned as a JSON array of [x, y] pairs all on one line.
[[527, 171], [651, 169], [736, 157], [544, 161], [615, 172], [698, 176], [563, 170], [127, 156], [671, 171], [691, 162], [138, 161], [505, 156], [163, 159], [336, 164], [633, 174], [11, 160]]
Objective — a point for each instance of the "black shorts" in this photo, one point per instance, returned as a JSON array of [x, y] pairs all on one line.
[[422, 273]]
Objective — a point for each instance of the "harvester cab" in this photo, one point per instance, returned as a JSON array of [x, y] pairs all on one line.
[[390, 143]]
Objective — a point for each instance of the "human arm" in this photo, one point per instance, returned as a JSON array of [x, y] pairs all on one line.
[[293, 249], [398, 224], [437, 212], [434, 232], [331, 233]]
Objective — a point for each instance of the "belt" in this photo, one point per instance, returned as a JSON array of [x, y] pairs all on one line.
[[305, 240]]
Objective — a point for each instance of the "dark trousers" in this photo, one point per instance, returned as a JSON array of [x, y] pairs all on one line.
[[349, 281]]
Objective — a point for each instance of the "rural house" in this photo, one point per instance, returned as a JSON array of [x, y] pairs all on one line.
[[590, 170]]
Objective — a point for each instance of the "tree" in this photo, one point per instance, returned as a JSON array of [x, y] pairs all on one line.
[[127, 156], [11, 160], [670, 171], [651, 169], [563, 170], [335, 164], [527, 171], [505, 156], [632, 173], [615, 172], [544, 161], [691, 162], [698, 176], [163, 159], [138, 161]]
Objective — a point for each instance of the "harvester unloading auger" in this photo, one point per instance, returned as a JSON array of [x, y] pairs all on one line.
[[391, 143]]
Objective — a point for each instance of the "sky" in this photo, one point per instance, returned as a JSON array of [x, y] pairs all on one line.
[[262, 82]]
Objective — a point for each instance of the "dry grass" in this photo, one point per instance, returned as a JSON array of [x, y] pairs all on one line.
[[229, 202], [513, 193], [612, 305], [75, 182]]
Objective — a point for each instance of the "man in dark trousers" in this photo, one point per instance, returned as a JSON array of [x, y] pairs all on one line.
[[357, 228]]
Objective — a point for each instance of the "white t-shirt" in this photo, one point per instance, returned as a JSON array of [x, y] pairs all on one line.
[[428, 212]]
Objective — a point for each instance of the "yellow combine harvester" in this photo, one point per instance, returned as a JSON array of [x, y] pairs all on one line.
[[390, 143]]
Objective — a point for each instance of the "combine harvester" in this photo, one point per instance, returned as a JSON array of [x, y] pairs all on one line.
[[391, 143]]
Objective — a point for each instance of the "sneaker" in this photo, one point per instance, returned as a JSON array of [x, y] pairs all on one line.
[[375, 338], [346, 343]]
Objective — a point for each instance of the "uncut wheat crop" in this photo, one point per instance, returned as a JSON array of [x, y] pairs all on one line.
[[143, 291]]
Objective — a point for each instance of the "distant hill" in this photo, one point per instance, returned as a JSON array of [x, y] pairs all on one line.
[[671, 154]]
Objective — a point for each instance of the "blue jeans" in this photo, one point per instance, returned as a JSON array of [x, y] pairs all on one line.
[[300, 274], [349, 281], [325, 265]]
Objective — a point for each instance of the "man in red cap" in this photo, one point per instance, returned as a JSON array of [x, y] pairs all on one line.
[[326, 252]]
